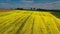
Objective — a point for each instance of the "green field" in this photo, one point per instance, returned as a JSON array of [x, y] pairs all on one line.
[[29, 22]]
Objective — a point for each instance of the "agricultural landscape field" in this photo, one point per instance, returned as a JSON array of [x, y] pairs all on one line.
[[28, 22]]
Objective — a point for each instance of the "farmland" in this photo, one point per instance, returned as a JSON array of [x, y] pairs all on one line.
[[28, 22]]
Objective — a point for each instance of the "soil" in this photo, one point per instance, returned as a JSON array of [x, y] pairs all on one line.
[[4, 10]]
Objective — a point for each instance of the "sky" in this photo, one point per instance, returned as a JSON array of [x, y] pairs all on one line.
[[45, 4]]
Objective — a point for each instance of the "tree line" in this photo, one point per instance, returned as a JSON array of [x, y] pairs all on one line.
[[38, 9]]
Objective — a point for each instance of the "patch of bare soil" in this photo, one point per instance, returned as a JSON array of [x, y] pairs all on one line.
[[4, 10]]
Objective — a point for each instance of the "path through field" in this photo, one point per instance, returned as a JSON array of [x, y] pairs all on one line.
[[28, 22]]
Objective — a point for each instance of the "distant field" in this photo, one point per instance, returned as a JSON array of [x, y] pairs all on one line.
[[28, 22], [57, 14]]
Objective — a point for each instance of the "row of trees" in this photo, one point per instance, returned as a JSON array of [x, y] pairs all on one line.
[[29, 9], [25, 9], [38, 9]]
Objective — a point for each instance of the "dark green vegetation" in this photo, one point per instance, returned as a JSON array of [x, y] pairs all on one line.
[[57, 14]]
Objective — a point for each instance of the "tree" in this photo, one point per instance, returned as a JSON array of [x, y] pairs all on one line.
[[19, 8]]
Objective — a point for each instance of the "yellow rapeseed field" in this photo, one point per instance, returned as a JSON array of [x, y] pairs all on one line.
[[28, 22]]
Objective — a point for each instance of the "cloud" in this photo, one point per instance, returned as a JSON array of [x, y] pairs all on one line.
[[29, 4], [27, 1], [53, 5]]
